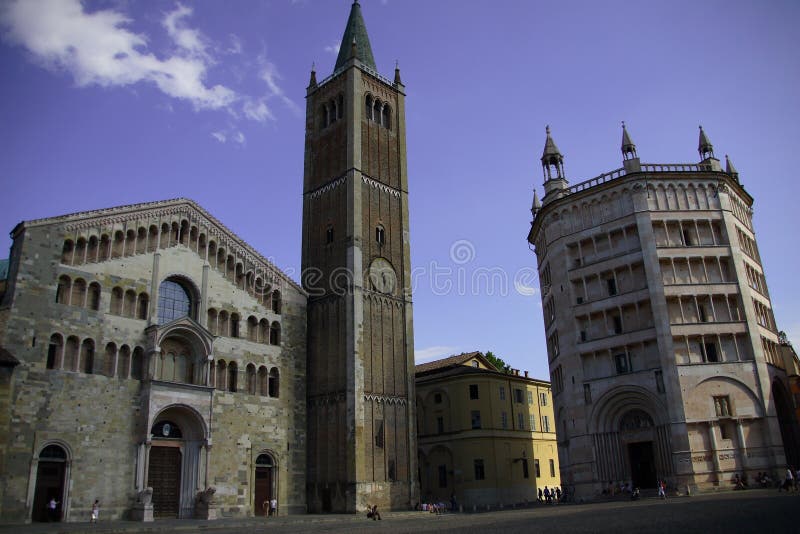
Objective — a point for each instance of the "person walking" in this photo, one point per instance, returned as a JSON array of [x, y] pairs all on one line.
[[273, 507], [788, 481], [95, 511], [52, 509], [662, 490]]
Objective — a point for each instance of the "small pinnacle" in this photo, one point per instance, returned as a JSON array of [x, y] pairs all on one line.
[[547, 129]]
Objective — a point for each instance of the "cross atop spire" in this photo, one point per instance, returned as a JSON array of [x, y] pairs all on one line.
[[704, 146], [355, 41], [628, 147], [552, 160]]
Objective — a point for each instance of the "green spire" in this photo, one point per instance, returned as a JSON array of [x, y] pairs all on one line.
[[355, 37]]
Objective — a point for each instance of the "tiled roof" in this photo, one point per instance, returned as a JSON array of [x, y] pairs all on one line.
[[458, 359], [356, 31]]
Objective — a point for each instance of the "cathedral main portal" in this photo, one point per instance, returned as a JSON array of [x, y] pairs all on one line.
[[165, 479]]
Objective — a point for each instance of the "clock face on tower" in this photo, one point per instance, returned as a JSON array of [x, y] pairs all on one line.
[[382, 276]]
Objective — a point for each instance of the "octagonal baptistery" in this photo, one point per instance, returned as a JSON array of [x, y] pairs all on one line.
[[161, 369], [662, 345]]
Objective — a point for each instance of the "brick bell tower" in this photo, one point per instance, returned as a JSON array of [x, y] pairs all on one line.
[[362, 445]]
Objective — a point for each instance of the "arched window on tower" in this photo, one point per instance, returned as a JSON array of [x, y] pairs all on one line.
[[63, 289], [130, 242], [141, 240], [93, 299], [276, 302], [92, 249], [263, 381], [386, 117], [119, 243], [251, 379], [233, 375], [124, 363], [222, 324], [368, 108], [274, 382], [323, 116], [66, 252], [71, 354], [116, 301], [105, 248], [275, 333], [130, 303], [110, 359], [55, 351], [340, 107], [87, 356], [78, 292], [329, 234], [234, 325], [142, 305], [137, 364], [263, 331], [252, 329], [376, 110], [80, 251], [222, 376], [380, 235]]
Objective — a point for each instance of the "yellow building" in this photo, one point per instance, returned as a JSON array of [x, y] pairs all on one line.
[[484, 436]]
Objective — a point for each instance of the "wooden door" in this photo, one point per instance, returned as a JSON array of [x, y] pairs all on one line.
[[165, 479], [263, 490]]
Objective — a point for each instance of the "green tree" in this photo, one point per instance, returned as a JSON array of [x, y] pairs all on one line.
[[497, 361]]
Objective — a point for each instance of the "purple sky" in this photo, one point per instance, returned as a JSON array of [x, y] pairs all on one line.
[[114, 102]]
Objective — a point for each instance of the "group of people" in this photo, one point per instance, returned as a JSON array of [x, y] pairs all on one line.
[[550, 496], [52, 510], [270, 507], [437, 508], [620, 487], [373, 513]]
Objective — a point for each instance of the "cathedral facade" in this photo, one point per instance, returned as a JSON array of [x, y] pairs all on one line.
[[662, 345], [152, 359]]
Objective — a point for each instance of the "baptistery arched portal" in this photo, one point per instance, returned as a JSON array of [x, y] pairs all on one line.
[[631, 438], [177, 439], [266, 483]]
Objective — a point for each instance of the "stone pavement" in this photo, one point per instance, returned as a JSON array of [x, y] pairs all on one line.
[[730, 512]]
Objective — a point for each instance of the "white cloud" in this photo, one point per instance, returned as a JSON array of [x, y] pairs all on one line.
[[97, 48], [270, 75], [235, 46], [430, 354], [257, 110], [219, 136], [334, 48], [239, 137], [189, 40]]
